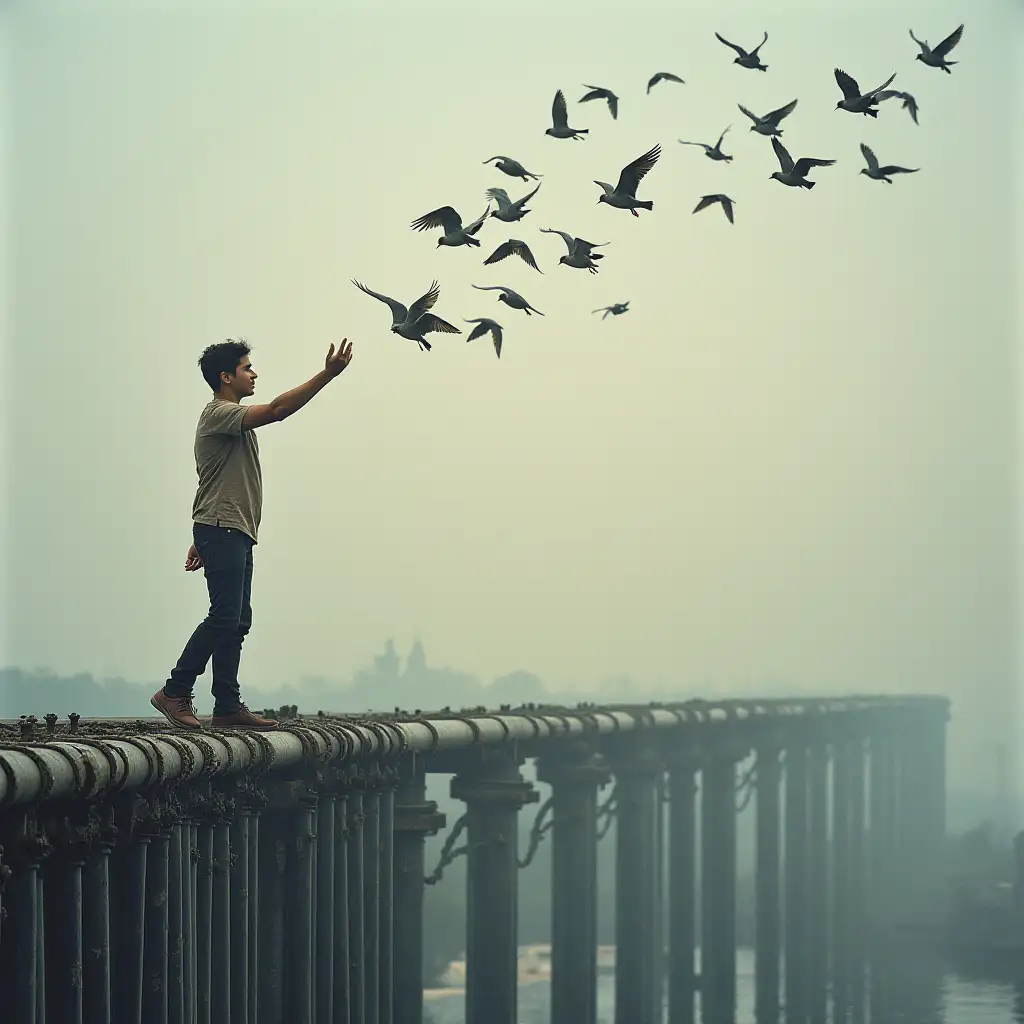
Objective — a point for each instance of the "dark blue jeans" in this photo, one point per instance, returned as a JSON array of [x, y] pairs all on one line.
[[227, 562]]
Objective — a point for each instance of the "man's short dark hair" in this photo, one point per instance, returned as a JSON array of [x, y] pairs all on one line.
[[223, 357]]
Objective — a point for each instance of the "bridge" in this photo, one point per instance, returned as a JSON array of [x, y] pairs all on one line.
[[278, 878]]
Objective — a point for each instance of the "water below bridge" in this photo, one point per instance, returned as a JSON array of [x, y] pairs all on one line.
[[929, 993]]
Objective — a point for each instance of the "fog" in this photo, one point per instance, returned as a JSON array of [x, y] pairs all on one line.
[[791, 467]]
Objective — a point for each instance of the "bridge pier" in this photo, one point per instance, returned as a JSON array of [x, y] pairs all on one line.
[[574, 776], [818, 874], [767, 880], [494, 792], [922, 816], [175, 931], [24, 851], [718, 884], [884, 817], [415, 819], [636, 989], [154, 965], [340, 947], [857, 889], [795, 870], [842, 868], [271, 949], [371, 901], [301, 838], [240, 896], [356, 952], [682, 886], [387, 892]]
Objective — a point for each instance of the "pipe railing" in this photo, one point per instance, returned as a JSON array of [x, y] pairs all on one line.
[[149, 875]]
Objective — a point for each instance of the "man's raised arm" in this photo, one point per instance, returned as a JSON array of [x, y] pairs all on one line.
[[291, 401]]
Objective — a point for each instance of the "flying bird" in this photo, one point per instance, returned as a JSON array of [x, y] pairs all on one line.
[[485, 324], [711, 152], [936, 57], [769, 124], [795, 174], [513, 168], [599, 93], [511, 299], [514, 247], [663, 76], [623, 195], [414, 322], [881, 173], [747, 60], [580, 254], [718, 197], [617, 309], [507, 210], [853, 100], [909, 103], [454, 233], [560, 121]]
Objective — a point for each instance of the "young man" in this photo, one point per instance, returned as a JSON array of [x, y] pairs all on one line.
[[225, 520]]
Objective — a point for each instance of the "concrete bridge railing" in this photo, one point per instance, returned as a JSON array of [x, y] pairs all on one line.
[[246, 878]]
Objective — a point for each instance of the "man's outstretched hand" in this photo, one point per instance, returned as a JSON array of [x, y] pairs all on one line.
[[337, 361], [192, 560]]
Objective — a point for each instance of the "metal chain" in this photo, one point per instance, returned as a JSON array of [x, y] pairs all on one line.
[[537, 831], [745, 787], [449, 852], [607, 811]]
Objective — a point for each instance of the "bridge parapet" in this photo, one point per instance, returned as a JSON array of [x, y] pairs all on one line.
[[262, 877]]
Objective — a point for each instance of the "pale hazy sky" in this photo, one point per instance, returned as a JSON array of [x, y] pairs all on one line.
[[792, 463]]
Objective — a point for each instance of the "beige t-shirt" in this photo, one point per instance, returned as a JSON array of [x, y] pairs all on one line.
[[230, 491]]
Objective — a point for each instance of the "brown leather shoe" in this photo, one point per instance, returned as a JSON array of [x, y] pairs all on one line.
[[243, 718], [178, 711]]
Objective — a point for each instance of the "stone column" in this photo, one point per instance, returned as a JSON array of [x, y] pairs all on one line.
[[922, 813], [416, 817], [637, 768], [682, 885], [857, 889], [818, 873], [795, 868], [574, 772], [718, 880], [842, 825], [767, 880], [494, 792]]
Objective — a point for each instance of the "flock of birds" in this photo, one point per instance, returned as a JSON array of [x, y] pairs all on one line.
[[416, 321]]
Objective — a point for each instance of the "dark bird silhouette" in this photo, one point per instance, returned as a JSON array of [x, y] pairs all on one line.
[[485, 324], [881, 173], [599, 93], [616, 309], [795, 174], [454, 233], [711, 152], [935, 57], [853, 100], [514, 247], [414, 322], [663, 76], [717, 197], [511, 167], [511, 298], [560, 121], [747, 60], [623, 195]]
